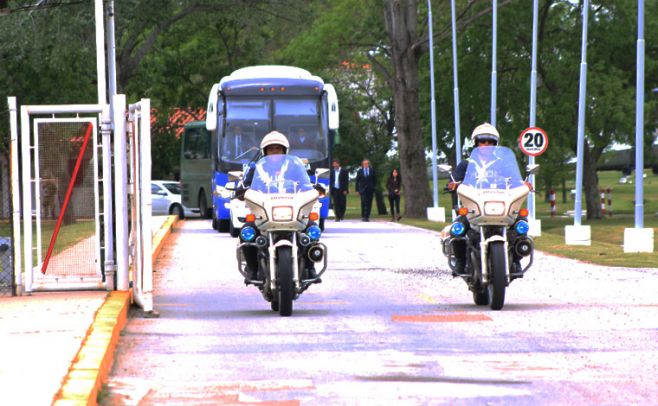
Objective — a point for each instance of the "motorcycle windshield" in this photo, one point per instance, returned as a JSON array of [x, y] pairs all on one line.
[[492, 167], [280, 174]]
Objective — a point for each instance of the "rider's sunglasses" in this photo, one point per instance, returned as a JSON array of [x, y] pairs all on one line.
[[488, 142]]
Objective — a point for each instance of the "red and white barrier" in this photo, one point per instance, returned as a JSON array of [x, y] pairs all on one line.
[[606, 197], [551, 197]]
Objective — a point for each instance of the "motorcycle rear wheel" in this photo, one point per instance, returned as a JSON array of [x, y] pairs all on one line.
[[497, 279], [286, 285]]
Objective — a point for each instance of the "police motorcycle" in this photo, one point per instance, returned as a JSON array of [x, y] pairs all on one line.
[[492, 224], [282, 227]]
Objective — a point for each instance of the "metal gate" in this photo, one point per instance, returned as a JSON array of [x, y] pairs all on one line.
[[137, 241], [67, 199], [63, 186]]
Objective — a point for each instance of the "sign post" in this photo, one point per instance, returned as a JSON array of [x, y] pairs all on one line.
[[533, 142]]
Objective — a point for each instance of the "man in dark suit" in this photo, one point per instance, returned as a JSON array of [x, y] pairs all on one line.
[[303, 140], [238, 143], [338, 184], [365, 187]]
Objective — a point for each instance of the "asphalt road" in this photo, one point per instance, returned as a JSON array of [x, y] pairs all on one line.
[[388, 325]]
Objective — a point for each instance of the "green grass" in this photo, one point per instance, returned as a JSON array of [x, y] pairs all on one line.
[[68, 235], [607, 233]]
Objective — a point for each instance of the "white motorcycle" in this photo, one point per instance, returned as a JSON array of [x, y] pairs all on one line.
[[281, 227], [491, 224]]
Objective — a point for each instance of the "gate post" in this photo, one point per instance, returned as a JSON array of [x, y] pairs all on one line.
[[121, 191], [15, 195], [106, 131], [27, 197]]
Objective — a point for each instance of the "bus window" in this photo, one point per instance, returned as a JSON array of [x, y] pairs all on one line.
[[298, 119], [247, 122], [196, 144]]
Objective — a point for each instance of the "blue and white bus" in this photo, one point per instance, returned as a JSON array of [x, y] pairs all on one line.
[[249, 103]]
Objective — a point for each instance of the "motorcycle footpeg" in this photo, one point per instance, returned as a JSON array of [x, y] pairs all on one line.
[[248, 282]]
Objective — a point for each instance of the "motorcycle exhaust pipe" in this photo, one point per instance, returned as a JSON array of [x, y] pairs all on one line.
[[523, 247], [315, 253]]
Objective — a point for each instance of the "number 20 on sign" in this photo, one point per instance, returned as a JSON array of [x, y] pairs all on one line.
[[533, 141]]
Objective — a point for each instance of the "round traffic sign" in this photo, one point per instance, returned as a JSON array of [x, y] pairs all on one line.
[[533, 141]]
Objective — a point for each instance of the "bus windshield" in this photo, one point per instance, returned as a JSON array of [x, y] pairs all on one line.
[[248, 120]]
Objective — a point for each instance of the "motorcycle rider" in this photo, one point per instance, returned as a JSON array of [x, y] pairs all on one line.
[[273, 144], [484, 135]]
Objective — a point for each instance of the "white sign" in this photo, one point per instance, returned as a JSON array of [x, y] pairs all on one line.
[[533, 141]]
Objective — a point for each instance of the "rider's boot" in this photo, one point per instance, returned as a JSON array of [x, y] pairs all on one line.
[[312, 274], [460, 267], [251, 268], [517, 269]]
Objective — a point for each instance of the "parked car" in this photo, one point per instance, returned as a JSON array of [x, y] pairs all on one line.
[[166, 198]]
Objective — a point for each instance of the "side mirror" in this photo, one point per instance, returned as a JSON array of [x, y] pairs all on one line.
[[322, 173], [235, 175], [445, 168], [532, 169], [211, 113], [230, 186]]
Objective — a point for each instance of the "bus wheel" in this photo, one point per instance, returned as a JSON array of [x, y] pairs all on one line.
[[215, 222], [203, 206]]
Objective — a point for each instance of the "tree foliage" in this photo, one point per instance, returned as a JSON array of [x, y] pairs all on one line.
[[172, 51]]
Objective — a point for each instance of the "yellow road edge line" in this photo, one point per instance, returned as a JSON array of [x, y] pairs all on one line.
[[91, 366], [161, 235]]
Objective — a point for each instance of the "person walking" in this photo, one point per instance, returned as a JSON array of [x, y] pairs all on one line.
[[365, 187], [394, 185], [338, 184]]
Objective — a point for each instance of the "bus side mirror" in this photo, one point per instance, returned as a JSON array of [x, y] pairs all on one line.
[[235, 175], [211, 111]]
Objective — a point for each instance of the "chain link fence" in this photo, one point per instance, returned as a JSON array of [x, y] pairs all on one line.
[[6, 230]]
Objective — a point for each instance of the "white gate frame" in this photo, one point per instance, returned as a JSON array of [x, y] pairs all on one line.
[[26, 112], [132, 171], [135, 248]]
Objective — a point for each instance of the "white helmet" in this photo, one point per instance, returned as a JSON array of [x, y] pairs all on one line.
[[274, 138], [485, 132]]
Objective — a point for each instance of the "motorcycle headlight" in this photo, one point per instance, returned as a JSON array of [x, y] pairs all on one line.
[[282, 213], [314, 232], [457, 229], [247, 233], [494, 208], [522, 227]]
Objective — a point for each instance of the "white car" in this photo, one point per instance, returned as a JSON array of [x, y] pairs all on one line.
[[166, 198]]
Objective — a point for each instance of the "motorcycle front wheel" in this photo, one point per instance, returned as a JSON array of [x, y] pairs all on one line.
[[286, 285], [497, 275]]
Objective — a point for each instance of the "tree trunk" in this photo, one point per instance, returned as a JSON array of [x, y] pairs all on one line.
[[591, 181], [401, 26]]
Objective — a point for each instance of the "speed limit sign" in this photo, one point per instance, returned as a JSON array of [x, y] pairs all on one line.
[[533, 141]]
